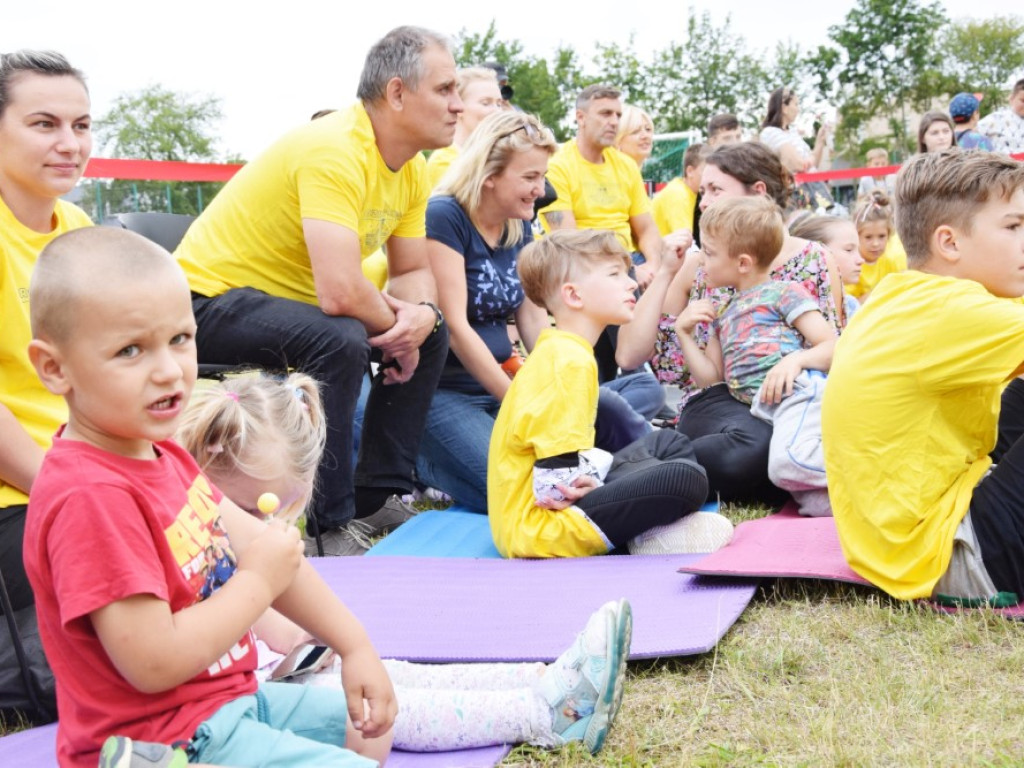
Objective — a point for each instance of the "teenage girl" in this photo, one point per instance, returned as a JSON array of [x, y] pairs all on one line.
[[256, 435]]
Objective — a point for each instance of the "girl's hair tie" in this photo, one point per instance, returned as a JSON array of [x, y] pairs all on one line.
[[232, 396]]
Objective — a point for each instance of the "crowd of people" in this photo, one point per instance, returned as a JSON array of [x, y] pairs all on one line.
[[862, 366]]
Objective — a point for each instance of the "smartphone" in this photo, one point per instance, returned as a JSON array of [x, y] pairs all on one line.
[[303, 660]]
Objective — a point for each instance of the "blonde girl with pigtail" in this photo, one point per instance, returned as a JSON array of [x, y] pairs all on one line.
[[259, 439], [880, 246]]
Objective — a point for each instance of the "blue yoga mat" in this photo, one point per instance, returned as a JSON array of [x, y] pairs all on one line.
[[452, 532]]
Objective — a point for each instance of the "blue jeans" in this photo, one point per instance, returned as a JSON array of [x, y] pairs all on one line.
[[641, 390], [453, 452], [248, 327]]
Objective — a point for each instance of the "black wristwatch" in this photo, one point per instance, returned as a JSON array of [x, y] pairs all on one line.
[[437, 314]]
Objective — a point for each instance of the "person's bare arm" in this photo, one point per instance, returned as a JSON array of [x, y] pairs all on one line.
[[530, 321], [792, 158], [637, 337], [560, 220], [821, 340], [449, 269], [648, 241], [156, 650], [20, 456], [410, 282], [341, 288], [705, 365]]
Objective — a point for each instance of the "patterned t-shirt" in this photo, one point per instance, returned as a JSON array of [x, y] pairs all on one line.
[[756, 331], [808, 267], [493, 290]]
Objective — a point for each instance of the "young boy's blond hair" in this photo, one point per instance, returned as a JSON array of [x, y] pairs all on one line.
[[948, 187], [746, 225], [547, 264]]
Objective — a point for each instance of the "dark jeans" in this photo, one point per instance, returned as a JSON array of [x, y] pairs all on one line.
[[997, 505], [248, 327], [12, 563], [655, 481], [731, 445], [1011, 419]]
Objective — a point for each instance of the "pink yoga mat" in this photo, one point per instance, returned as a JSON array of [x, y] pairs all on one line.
[[782, 545], [788, 545]]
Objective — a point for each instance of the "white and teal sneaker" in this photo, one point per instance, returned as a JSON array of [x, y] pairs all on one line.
[[584, 685]]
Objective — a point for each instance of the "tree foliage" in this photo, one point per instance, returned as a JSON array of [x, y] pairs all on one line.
[[983, 56], [155, 123], [546, 88], [883, 59]]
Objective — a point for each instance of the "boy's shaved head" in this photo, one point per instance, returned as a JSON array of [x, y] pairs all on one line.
[[86, 263]]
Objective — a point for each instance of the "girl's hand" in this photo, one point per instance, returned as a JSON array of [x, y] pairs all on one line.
[[700, 311]]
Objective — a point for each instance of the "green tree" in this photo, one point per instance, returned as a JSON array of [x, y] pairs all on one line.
[[883, 59], [546, 88], [155, 123], [714, 71], [983, 56]]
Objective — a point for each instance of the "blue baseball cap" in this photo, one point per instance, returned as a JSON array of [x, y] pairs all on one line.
[[964, 105]]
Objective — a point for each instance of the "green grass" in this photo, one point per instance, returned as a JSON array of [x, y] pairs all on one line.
[[823, 674]]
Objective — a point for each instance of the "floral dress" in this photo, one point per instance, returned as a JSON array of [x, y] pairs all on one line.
[[809, 267]]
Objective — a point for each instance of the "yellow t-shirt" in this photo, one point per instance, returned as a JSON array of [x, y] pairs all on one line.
[[35, 408], [328, 169], [927, 358], [893, 259], [673, 207], [600, 196], [549, 410], [439, 162]]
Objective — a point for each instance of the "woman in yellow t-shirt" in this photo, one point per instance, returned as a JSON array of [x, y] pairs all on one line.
[[45, 141]]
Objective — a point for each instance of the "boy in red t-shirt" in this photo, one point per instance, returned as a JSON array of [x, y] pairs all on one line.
[[119, 523]]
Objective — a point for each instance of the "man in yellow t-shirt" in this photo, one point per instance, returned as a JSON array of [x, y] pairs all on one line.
[[911, 408], [274, 265], [599, 187]]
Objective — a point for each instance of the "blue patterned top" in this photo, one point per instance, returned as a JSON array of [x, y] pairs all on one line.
[[493, 290]]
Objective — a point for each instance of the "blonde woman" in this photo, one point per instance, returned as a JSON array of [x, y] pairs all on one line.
[[481, 96], [636, 134]]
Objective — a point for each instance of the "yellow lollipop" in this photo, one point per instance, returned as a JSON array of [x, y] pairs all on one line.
[[268, 503]]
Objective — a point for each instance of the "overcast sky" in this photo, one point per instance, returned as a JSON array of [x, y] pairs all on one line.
[[274, 68]]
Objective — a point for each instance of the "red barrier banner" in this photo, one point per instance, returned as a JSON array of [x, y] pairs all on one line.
[[157, 170], [165, 170]]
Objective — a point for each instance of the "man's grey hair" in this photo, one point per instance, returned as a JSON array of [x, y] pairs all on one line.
[[398, 54]]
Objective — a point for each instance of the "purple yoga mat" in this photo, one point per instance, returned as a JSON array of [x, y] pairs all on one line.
[[781, 545], [458, 609], [35, 749]]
